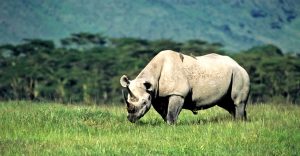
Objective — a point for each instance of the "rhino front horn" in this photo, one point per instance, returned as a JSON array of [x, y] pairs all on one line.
[[124, 96], [130, 107]]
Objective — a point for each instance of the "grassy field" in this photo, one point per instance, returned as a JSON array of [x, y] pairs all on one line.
[[28, 128]]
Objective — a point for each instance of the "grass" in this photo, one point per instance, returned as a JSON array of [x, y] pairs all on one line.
[[28, 128]]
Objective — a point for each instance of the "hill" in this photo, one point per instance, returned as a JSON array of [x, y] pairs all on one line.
[[237, 24]]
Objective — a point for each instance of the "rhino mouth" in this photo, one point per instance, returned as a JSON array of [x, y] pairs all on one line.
[[135, 112], [132, 119], [139, 113]]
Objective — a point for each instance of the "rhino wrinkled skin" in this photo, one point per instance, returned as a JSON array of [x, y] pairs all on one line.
[[173, 81]]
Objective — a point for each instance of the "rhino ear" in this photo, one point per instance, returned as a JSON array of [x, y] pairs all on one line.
[[124, 81], [148, 86]]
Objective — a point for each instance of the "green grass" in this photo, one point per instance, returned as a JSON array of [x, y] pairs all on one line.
[[28, 128]]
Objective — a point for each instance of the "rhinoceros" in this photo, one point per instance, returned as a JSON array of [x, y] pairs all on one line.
[[172, 81]]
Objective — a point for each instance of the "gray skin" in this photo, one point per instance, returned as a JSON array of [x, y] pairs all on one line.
[[173, 81]]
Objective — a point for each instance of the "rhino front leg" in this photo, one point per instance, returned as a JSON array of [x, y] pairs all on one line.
[[174, 108]]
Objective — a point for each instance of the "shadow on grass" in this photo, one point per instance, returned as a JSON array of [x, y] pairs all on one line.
[[209, 120], [199, 121], [155, 122], [213, 120]]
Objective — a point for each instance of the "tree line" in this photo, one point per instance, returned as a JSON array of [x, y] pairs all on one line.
[[86, 68]]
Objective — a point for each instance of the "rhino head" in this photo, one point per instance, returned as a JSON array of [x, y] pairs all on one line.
[[138, 100]]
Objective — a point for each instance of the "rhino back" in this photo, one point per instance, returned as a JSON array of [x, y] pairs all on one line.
[[205, 79], [209, 78]]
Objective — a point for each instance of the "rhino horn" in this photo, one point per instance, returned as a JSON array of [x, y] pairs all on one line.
[[124, 96], [130, 93], [130, 107]]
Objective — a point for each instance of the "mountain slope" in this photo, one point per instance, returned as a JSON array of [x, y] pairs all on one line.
[[238, 24]]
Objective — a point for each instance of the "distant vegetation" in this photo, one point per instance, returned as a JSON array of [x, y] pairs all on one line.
[[86, 68]]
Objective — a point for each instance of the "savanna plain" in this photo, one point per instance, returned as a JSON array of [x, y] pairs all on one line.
[[45, 128]]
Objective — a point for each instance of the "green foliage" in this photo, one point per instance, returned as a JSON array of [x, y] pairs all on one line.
[[272, 73], [86, 67], [28, 128]]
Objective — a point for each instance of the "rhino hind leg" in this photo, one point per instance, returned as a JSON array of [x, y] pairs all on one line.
[[240, 111], [235, 106], [236, 110], [240, 92], [240, 102]]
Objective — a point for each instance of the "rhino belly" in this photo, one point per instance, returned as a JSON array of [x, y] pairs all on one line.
[[209, 94]]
